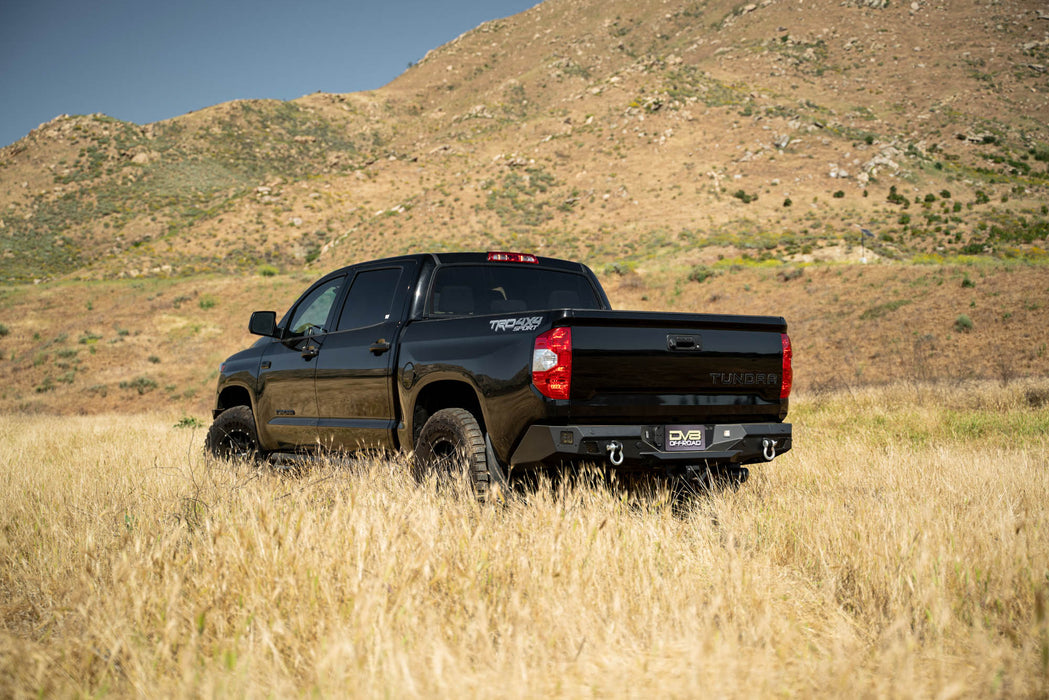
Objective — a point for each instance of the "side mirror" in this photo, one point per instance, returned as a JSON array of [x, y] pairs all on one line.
[[263, 323]]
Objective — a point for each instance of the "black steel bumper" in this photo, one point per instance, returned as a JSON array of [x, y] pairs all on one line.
[[645, 445]]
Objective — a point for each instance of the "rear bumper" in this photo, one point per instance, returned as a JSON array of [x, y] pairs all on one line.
[[644, 445]]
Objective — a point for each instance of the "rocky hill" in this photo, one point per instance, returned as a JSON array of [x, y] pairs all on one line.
[[701, 156], [615, 132]]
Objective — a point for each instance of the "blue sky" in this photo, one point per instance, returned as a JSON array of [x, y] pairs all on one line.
[[147, 61]]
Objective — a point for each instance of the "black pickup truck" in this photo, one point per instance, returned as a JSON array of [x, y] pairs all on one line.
[[504, 362]]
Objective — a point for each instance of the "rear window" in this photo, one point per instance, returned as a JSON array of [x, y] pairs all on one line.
[[477, 290]]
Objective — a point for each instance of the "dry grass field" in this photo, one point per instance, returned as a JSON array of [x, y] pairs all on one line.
[[899, 550]]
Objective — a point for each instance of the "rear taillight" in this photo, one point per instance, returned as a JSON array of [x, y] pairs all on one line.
[[787, 375], [552, 363], [513, 257]]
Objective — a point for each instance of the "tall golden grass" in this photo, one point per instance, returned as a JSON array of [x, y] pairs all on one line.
[[901, 549]]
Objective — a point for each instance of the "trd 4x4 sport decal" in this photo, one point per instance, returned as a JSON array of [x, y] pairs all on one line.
[[516, 325]]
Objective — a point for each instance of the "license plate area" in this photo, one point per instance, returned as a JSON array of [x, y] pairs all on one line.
[[686, 438]]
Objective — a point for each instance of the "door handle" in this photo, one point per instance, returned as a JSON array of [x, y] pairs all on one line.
[[684, 342], [379, 346], [310, 351]]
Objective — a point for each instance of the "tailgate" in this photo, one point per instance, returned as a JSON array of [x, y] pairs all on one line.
[[675, 368]]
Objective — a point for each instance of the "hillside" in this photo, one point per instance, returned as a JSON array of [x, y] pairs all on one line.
[[613, 131], [700, 156]]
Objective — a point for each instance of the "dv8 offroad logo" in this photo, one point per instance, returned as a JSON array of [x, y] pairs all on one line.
[[681, 438], [516, 325]]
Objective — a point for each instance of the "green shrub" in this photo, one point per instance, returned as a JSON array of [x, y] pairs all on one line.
[[963, 324], [3, 330], [700, 273], [742, 196], [142, 385], [267, 270], [840, 194], [619, 268], [188, 422], [897, 198], [967, 283], [207, 302]]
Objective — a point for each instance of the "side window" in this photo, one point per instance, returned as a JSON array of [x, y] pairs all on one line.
[[312, 312], [371, 298]]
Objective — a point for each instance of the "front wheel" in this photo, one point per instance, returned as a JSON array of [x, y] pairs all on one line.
[[232, 435], [451, 443]]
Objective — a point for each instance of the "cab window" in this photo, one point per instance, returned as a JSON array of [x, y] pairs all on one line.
[[468, 290], [371, 298], [311, 315]]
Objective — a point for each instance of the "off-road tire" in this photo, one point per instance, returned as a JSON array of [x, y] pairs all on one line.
[[451, 444], [232, 435]]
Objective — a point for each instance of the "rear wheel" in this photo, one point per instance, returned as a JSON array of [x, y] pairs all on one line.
[[451, 444], [232, 435]]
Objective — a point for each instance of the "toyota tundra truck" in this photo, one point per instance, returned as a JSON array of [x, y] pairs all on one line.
[[501, 364]]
